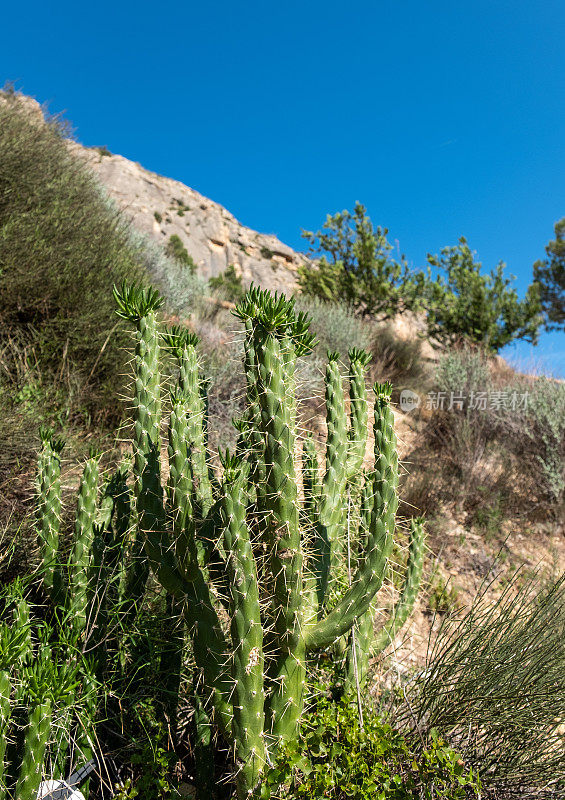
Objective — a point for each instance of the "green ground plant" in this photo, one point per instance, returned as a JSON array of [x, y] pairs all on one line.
[[228, 285], [338, 757], [42, 698]]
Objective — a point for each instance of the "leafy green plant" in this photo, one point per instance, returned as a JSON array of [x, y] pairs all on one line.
[[443, 597], [337, 756], [481, 308], [40, 691], [158, 217], [489, 515], [356, 267]]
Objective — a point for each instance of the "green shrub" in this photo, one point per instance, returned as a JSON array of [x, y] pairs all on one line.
[[337, 757], [266, 252], [463, 372], [544, 426], [228, 285], [356, 267], [158, 217], [61, 249], [175, 249], [550, 275], [336, 326], [481, 308]]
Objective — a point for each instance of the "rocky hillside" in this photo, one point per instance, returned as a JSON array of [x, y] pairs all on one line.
[[162, 207]]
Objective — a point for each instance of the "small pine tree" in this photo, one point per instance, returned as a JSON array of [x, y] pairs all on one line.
[[467, 304], [356, 267], [550, 274]]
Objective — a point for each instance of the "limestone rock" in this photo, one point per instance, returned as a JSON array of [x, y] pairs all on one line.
[[162, 207]]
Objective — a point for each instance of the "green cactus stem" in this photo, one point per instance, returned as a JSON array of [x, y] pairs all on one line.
[[80, 559], [246, 630], [371, 568], [204, 767], [139, 306], [49, 511], [410, 589], [331, 518], [358, 412], [287, 667], [183, 344], [37, 735], [5, 714]]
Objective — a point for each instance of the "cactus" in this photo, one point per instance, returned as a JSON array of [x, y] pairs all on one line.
[[81, 553], [248, 546], [14, 643], [48, 487], [365, 642], [69, 587], [147, 411], [34, 684]]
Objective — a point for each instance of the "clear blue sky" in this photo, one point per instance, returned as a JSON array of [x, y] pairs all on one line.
[[443, 118]]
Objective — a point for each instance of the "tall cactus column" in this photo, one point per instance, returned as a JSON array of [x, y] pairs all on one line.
[[410, 589], [139, 306], [279, 337], [331, 517], [49, 511], [183, 344], [288, 668], [79, 564], [246, 630]]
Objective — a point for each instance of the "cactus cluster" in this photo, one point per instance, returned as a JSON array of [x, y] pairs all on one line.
[[259, 543], [266, 559], [84, 582]]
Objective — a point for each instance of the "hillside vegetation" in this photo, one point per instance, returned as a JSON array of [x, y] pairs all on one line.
[[207, 472]]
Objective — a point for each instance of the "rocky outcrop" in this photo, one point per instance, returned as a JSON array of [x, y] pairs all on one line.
[[162, 207]]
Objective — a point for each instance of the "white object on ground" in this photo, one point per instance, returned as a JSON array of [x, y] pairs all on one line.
[[47, 787]]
